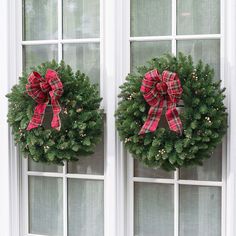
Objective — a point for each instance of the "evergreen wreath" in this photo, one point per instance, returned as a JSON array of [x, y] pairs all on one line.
[[203, 119], [80, 116]]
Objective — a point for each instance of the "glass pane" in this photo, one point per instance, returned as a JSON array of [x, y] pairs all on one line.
[[198, 17], [210, 171], [85, 207], [40, 19], [153, 209], [43, 167], [142, 171], [36, 54], [141, 52], [92, 165], [200, 211], [45, 206], [81, 18], [84, 57], [150, 17], [207, 50]]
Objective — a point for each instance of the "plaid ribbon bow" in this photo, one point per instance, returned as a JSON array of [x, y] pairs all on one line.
[[42, 90], [156, 90]]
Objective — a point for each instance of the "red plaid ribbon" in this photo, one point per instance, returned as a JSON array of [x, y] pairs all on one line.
[[156, 90], [41, 90]]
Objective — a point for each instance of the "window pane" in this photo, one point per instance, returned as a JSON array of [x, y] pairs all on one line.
[[200, 211], [85, 207], [38, 166], [81, 18], [154, 209], [198, 17], [141, 52], [92, 165], [45, 206], [40, 19], [84, 57], [36, 54], [210, 171], [207, 50], [150, 17], [142, 171]]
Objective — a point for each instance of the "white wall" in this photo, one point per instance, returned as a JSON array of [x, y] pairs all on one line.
[[230, 67], [4, 151]]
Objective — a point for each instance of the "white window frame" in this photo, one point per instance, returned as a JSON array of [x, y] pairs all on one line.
[[14, 10], [176, 182], [107, 88], [115, 31], [64, 175]]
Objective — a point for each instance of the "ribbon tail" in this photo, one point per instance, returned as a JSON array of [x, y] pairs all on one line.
[[152, 121], [56, 121], [174, 122], [38, 116]]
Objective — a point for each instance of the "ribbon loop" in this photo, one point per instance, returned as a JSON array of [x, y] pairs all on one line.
[[44, 90], [162, 88], [45, 86], [156, 90]]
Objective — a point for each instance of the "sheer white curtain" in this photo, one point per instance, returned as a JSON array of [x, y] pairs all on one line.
[[40, 19], [154, 209], [85, 208], [80, 19], [200, 211], [45, 206]]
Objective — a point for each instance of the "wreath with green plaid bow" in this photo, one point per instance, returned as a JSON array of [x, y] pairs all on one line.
[[55, 114], [195, 119]]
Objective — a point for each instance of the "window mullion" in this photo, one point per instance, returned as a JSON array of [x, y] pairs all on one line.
[[25, 198], [176, 173], [65, 202], [130, 194], [60, 55], [174, 27], [60, 28], [176, 203], [101, 41]]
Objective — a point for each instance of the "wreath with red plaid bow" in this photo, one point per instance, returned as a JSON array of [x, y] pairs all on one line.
[[171, 112], [54, 114]]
